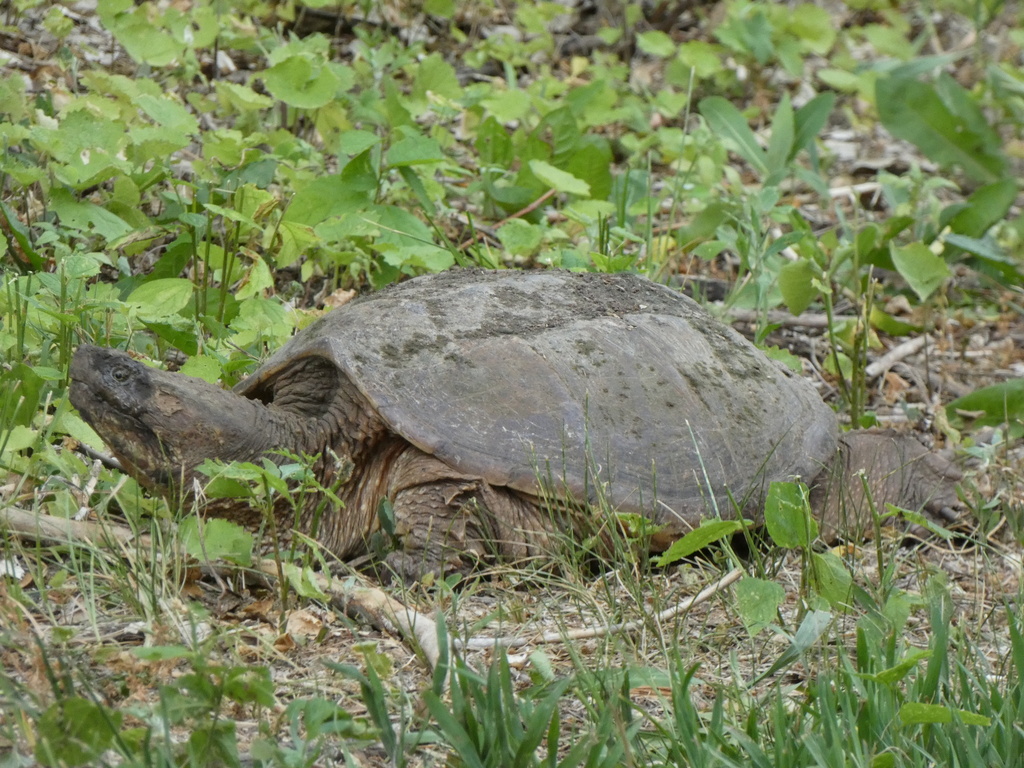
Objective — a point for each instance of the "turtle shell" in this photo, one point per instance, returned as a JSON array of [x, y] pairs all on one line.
[[607, 387]]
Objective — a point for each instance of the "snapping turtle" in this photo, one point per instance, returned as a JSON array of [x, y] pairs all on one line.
[[491, 408]]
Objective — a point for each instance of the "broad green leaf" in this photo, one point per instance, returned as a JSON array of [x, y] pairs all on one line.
[[706, 534], [304, 581], [344, 192], [894, 674], [88, 217], [918, 713], [443, 9], [228, 213], [294, 239], [216, 539], [436, 76], [592, 162], [559, 180], [748, 31], [831, 578], [75, 731], [757, 602], [984, 207], [300, 82], [508, 106], [161, 298], [656, 43], [143, 40], [784, 356], [704, 224], [813, 26], [18, 438], [494, 145], [354, 142], [202, 367], [72, 424], [797, 284], [889, 324], [701, 58], [787, 515], [170, 113], [912, 110], [520, 238], [727, 122], [922, 269], [990, 406], [413, 151], [241, 97]]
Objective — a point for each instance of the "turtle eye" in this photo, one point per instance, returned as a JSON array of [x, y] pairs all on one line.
[[121, 374]]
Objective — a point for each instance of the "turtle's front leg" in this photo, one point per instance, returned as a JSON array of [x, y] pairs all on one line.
[[448, 523]]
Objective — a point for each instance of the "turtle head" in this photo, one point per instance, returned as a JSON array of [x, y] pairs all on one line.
[[162, 425]]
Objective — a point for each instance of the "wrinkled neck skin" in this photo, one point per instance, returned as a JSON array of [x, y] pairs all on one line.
[[162, 426]]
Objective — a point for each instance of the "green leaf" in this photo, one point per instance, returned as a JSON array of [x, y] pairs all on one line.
[[300, 82], [241, 97], [984, 208], [656, 43], [990, 406], [784, 356], [707, 533], [340, 193], [443, 9], [787, 515], [811, 118], [216, 539], [831, 578], [701, 58], [917, 713], [913, 110], [87, 217], [889, 324], [894, 674], [75, 731], [922, 269], [161, 652], [508, 106], [520, 238], [169, 113], [353, 142], [813, 26], [811, 628], [202, 367], [757, 602], [161, 298], [727, 122], [494, 145], [780, 145], [143, 40], [436, 76], [797, 284], [413, 151], [704, 225], [558, 180]]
